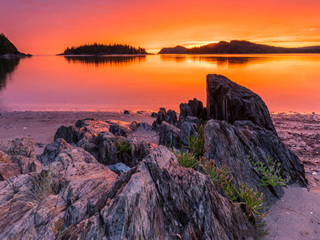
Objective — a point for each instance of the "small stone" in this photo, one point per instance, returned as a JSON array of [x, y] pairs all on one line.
[[126, 112], [154, 115]]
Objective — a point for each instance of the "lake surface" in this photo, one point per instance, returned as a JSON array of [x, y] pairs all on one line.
[[285, 82]]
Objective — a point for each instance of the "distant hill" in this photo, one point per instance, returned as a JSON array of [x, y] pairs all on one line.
[[101, 49], [7, 48], [237, 47]]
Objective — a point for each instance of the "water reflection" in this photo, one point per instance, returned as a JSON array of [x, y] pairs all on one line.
[[218, 60], [7, 66], [113, 61]]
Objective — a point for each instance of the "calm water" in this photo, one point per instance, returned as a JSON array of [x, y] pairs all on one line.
[[285, 82]]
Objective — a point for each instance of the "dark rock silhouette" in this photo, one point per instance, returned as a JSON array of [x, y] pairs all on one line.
[[176, 49], [169, 135], [229, 101]]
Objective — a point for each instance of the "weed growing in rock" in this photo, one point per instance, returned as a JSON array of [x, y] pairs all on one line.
[[253, 201], [186, 159], [44, 185], [271, 173], [123, 147], [196, 144]]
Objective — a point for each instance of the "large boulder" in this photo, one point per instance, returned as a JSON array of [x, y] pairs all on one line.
[[169, 135], [158, 199], [196, 107], [239, 145], [229, 101]]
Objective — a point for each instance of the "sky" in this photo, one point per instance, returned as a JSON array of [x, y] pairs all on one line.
[[50, 26]]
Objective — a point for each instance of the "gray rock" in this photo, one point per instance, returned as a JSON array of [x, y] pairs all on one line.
[[169, 135], [25, 147], [194, 120], [196, 107], [52, 150], [118, 168], [154, 115], [126, 112], [171, 117], [187, 130], [161, 116], [229, 101], [234, 146], [185, 111], [172, 202]]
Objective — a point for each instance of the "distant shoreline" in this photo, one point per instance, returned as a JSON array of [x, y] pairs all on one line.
[[102, 54]]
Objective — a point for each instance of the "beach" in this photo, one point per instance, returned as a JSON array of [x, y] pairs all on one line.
[[295, 216]]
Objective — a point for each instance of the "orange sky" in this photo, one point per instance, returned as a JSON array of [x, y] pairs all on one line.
[[48, 27]]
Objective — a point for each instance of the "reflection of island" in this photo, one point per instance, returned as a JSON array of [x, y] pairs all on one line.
[[114, 61], [218, 60], [7, 66]]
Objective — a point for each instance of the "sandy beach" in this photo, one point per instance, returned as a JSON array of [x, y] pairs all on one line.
[[295, 216]]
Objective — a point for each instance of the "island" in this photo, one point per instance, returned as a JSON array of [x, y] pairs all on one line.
[[9, 50], [237, 47], [102, 49]]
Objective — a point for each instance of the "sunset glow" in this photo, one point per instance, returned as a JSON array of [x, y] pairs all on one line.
[[48, 27]]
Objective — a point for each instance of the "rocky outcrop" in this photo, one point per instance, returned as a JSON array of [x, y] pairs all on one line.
[[52, 150], [20, 146], [187, 130], [229, 101], [194, 108], [169, 136], [11, 166], [160, 200], [79, 186], [237, 146], [103, 140]]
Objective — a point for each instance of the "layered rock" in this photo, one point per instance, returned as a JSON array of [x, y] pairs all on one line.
[[160, 200], [236, 146], [20, 146], [229, 101]]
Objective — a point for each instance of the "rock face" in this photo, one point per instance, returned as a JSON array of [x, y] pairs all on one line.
[[76, 197], [236, 146], [229, 101], [80, 185], [169, 135], [194, 108], [160, 200], [18, 157]]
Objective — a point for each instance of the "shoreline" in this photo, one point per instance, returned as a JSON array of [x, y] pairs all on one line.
[[295, 216]]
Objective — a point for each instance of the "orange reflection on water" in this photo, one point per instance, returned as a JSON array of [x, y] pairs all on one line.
[[285, 82]]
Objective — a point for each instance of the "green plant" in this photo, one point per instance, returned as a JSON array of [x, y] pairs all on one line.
[[196, 144], [186, 159], [253, 201], [124, 147], [271, 173], [219, 175]]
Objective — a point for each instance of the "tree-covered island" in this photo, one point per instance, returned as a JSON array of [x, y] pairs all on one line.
[[102, 49]]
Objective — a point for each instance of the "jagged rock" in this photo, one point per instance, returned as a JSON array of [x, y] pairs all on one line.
[[185, 111], [235, 146], [25, 147], [171, 117], [169, 135], [118, 168], [229, 101], [52, 150], [11, 166], [161, 116], [196, 107], [203, 114], [187, 130], [154, 115], [194, 120], [160, 200], [82, 185], [98, 138]]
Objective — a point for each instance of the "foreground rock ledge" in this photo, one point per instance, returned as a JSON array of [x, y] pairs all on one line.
[[157, 199]]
